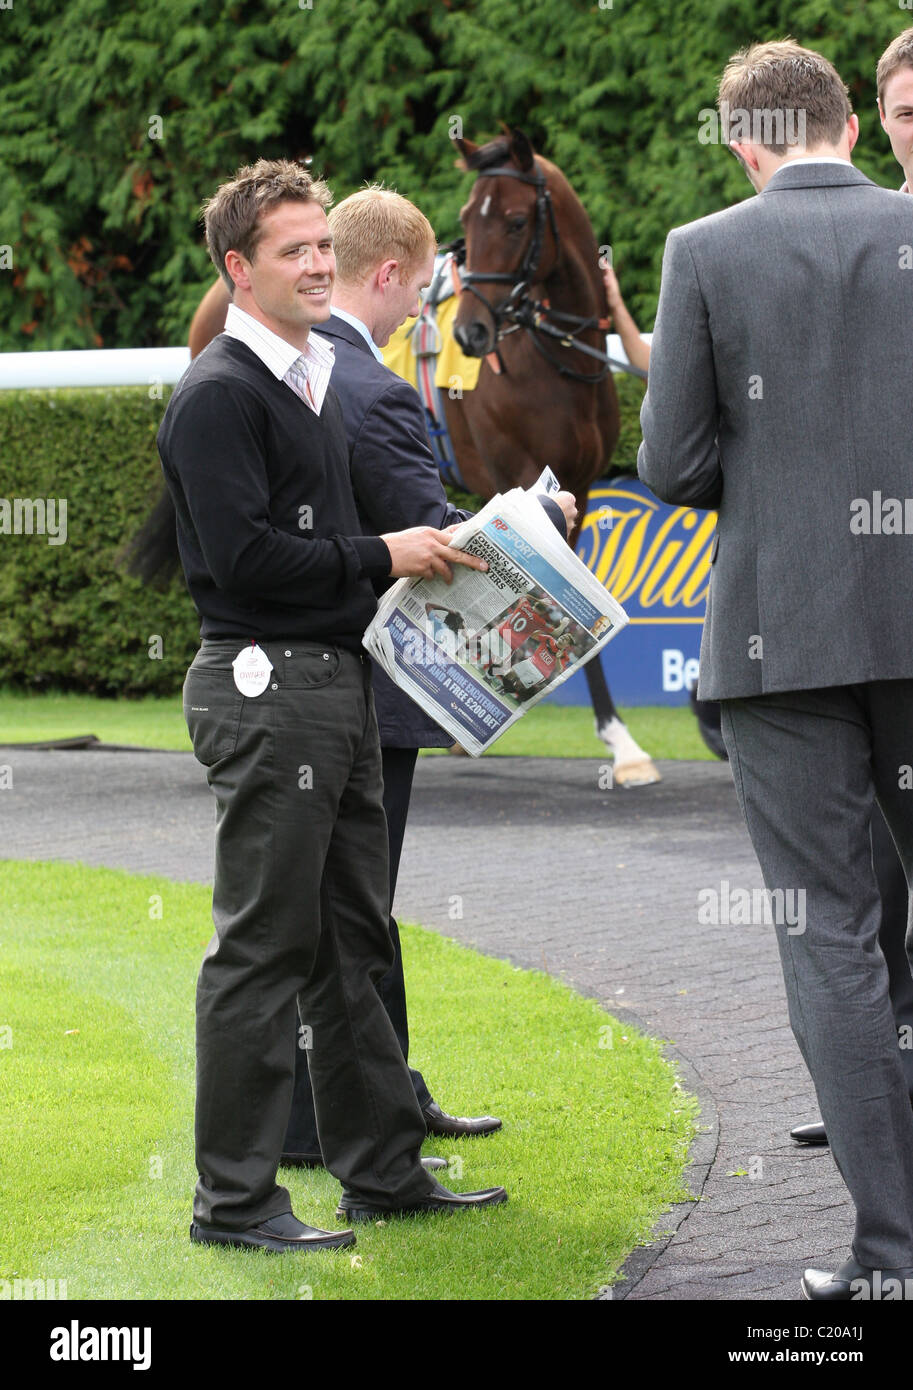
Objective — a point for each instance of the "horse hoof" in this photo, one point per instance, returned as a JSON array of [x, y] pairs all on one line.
[[640, 774]]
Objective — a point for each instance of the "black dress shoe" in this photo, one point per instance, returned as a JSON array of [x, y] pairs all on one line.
[[279, 1233], [352, 1208], [854, 1282], [309, 1161], [452, 1127], [809, 1134], [813, 1134]]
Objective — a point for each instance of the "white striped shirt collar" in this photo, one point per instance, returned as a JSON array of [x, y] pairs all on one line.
[[280, 356]]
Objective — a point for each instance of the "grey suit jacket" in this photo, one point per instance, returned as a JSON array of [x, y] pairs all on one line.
[[781, 393]]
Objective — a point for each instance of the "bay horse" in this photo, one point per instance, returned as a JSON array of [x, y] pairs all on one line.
[[533, 305], [529, 244]]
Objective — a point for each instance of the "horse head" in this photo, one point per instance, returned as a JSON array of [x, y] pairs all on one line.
[[510, 233]]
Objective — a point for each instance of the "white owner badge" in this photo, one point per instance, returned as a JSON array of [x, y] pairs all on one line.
[[252, 667]]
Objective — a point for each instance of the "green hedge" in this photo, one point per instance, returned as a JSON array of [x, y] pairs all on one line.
[[118, 119], [73, 619], [631, 391]]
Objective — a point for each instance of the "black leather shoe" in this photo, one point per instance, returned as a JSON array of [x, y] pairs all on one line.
[[856, 1283], [439, 1199], [279, 1233], [813, 1134], [433, 1165], [452, 1127], [809, 1134]]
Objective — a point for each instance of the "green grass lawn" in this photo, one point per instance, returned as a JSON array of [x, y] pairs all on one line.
[[548, 731], [154, 721], [96, 1101]]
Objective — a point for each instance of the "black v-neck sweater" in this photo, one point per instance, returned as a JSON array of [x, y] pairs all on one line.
[[267, 526]]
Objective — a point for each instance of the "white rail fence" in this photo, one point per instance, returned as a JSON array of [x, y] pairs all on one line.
[[93, 367], [127, 366]]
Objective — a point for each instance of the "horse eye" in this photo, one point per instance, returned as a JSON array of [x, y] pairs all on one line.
[[517, 224]]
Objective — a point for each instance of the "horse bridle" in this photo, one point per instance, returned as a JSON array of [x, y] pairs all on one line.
[[518, 310], [522, 278]]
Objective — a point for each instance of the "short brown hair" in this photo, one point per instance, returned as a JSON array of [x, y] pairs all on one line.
[[233, 214], [783, 77], [897, 55], [374, 225]]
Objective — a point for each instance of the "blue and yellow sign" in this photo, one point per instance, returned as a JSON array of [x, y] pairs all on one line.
[[655, 560]]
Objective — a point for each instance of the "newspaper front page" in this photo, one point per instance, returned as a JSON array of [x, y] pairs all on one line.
[[480, 651]]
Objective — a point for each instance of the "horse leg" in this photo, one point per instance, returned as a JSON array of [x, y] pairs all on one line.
[[707, 714], [632, 766], [459, 415]]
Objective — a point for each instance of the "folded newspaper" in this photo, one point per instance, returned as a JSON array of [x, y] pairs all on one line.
[[477, 653]]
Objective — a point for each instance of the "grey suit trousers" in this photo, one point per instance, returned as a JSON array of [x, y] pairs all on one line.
[[300, 908], [807, 765]]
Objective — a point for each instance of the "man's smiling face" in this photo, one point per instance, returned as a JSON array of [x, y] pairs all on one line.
[[288, 284], [897, 116]]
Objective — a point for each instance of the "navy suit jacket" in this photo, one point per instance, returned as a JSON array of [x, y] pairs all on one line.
[[397, 485]]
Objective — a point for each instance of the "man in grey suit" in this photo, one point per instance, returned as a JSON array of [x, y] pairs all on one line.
[[895, 109], [775, 396]]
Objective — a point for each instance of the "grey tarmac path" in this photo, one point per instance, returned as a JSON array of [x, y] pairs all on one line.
[[512, 838]]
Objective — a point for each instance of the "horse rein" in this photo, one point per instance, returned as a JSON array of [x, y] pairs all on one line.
[[518, 310]]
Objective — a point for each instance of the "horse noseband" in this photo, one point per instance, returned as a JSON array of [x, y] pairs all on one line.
[[522, 278], [518, 309]]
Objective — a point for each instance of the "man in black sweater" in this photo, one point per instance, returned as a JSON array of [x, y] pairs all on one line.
[[279, 706], [384, 250]]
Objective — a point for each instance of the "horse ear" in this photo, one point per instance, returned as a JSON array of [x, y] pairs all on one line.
[[466, 148], [521, 149]]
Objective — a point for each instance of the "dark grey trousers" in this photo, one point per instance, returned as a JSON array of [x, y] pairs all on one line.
[[301, 1141], [807, 765], [300, 908], [895, 902]]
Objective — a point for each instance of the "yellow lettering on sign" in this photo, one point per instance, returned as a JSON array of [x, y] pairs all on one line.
[[644, 561], [696, 559]]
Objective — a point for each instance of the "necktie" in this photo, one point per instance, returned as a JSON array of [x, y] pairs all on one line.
[[299, 377]]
